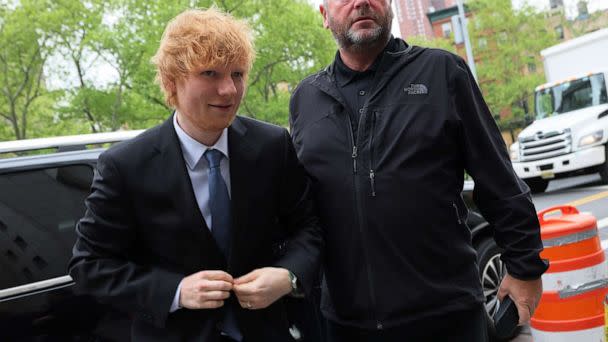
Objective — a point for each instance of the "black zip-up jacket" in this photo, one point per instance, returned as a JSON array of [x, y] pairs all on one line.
[[397, 246]]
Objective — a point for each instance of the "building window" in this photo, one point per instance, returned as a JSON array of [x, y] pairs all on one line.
[[446, 30], [583, 11], [556, 3], [559, 32], [502, 38]]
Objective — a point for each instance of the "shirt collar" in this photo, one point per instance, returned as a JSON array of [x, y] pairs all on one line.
[[193, 150], [346, 75]]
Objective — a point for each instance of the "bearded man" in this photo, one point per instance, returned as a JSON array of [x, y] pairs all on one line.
[[387, 132]]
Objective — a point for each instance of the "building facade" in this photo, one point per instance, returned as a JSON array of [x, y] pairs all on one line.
[[411, 15]]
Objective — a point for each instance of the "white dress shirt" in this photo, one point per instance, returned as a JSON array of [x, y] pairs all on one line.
[[198, 170]]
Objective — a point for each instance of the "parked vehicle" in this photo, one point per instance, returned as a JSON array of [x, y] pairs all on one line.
[[41, 199], [570, 132]]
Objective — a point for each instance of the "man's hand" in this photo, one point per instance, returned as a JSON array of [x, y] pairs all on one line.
[[262, 287], [205, 290], [524, 293]]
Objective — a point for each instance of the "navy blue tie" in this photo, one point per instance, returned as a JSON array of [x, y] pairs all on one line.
[[219, 202], [221, 224]]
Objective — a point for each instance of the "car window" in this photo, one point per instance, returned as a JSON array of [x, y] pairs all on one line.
[[38, 213]]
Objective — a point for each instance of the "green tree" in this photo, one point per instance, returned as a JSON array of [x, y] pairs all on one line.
[[75, 40], [123, 35], [291, 43], [125, 43], [284, 56], [24, 50], [438, 42], [507, 45]]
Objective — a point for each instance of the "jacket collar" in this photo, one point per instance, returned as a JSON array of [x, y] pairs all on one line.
[[393, 63], [395, 48]]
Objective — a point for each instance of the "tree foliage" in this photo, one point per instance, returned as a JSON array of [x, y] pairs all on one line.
[[438, 43], [507, 45], [100, 51], [291, 44], [24, 50]]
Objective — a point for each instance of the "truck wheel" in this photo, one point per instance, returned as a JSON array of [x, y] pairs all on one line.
[[537, 185], [604, 167]]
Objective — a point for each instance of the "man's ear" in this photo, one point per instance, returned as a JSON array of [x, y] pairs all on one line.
[[323, 11]]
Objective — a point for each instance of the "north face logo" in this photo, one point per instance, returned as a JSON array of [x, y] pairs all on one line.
[[416, 89]]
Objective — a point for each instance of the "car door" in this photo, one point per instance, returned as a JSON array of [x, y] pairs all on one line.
[[39, 207]]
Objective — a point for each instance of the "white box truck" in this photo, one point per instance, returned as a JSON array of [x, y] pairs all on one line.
[[570, 132]]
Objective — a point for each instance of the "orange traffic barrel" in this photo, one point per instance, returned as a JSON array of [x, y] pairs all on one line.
[[571, 307]]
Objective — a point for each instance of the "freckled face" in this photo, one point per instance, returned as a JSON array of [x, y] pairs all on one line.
[[209, 98]]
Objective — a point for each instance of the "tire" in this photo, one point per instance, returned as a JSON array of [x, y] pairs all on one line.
[[604, 167], [491, 272], [537, 185]]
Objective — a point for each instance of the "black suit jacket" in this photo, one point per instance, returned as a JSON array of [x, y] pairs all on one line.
[[143, 231]]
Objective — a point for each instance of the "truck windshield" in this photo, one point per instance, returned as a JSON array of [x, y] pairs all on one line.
[[566, 97]]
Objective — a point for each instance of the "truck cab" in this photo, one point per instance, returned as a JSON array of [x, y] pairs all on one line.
[[570, 132]]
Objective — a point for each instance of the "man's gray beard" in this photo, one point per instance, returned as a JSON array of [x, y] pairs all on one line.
[[359, 41]]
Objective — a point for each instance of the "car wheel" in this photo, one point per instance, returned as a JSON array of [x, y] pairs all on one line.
[[537, 185], [491, 272]]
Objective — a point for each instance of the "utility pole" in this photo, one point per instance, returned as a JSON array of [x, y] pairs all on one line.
[[467, 41]]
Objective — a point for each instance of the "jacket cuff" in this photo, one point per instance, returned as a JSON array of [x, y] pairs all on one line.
[[525, 266], [301, 271], [160, 298]]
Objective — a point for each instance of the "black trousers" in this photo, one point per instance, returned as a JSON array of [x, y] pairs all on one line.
[[460, 326]]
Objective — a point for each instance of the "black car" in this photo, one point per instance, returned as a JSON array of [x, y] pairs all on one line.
[[42, 197]]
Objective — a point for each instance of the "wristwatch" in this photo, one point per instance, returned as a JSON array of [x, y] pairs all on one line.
[[295, 289]]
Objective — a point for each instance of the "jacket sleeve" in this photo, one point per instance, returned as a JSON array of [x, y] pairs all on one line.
[[303, 250], [503, 198], [101, 264]]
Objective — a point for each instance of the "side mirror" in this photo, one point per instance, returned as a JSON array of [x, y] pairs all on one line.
[[528, 118]]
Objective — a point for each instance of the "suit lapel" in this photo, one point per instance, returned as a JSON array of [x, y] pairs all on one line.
[[242, 161], [179, 188]]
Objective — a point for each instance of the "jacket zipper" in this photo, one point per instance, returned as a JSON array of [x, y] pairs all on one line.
[[354, 155], [372, 173], [457, 214], [379, 325]]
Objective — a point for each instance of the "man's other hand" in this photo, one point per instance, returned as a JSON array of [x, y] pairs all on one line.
[[524, 293], [262, 287], [205, 290]]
